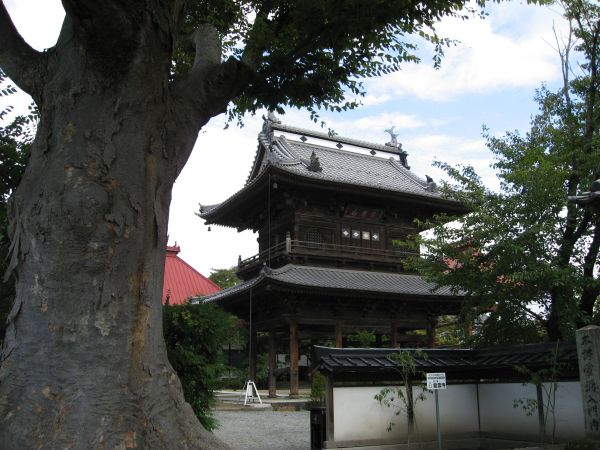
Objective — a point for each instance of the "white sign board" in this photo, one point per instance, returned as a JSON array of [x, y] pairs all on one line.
[[436, 381]]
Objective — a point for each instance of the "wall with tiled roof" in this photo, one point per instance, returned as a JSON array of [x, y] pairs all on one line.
[[182, 281]]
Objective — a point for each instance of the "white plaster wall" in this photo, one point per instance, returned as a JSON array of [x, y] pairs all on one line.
[[497, 413], [357, 415], [568, 411], [499, 416], [458, 411]]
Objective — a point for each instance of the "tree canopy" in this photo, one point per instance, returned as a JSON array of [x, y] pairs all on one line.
[[224, 278], [526, 257]]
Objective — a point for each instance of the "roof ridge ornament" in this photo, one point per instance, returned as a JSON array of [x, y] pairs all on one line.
[[271, 117], [315, 164], [267, 124], [397, 146], [431, 185], [393, 138]]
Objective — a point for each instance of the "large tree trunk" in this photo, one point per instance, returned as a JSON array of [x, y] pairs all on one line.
[[84, 363]]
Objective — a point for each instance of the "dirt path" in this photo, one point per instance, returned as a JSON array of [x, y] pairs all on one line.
[[262, 430]]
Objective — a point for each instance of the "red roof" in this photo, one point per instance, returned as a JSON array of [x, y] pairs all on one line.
[[182, 281]]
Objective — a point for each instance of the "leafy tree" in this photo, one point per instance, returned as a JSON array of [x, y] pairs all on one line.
[[195, 336], [402, 398], [525, 257], [361, 339], [15, 140], [122, 96], [546, 382], [224, 278]]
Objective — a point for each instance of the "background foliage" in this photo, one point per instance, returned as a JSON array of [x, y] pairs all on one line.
[[195, 336], [224, 278]]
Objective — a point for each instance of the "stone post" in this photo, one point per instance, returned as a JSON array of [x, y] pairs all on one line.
[[588, 351]]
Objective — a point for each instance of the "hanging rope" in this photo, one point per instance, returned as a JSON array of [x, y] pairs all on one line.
[[250, 334]]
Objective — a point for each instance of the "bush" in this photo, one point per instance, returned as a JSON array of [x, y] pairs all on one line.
[[317, 389], [195, 336]]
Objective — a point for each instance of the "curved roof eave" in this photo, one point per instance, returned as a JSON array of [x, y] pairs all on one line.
[[329, 280], [232, 203]]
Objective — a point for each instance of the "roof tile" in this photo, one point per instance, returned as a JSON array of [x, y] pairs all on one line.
[[182, 281]]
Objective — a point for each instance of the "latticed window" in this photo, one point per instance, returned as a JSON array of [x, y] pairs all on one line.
[[314, 238]]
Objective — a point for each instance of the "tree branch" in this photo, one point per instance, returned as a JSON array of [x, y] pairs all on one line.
[[208, 47], [24, 65], [202, 93], [536, 316], [592, 288], [253, 50]]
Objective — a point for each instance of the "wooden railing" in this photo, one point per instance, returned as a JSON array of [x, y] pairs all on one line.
[[336, 251]]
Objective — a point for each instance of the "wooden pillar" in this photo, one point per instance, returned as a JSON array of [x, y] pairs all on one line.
[[294, 355], [339, 337], [431, 334], [252, 356], [394, 335], [377, 340], [272, 364]]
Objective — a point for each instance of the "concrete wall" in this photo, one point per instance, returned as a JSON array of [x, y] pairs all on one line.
[[358, 416]]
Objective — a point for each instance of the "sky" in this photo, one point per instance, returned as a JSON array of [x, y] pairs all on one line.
[[488, 78]]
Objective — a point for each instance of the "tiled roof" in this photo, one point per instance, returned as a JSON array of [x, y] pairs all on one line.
[[351, 168], [360, 280], [342, 279], [347, 167], [369, 359], [182, 281]]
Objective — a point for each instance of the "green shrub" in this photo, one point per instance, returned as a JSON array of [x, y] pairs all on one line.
[[317, 389], [195, 336]]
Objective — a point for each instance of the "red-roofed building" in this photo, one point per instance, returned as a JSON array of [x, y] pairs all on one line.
[[182, 281]]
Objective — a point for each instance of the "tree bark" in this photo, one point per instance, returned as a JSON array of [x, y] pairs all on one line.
[[84, 362]]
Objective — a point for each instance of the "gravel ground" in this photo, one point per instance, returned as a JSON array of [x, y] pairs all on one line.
[[262, 430]]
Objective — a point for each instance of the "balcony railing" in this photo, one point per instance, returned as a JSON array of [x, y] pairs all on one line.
[[318, 249]]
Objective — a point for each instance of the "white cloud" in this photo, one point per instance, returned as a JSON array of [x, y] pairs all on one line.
[[508, 49], [373, 100], [423, 150]]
